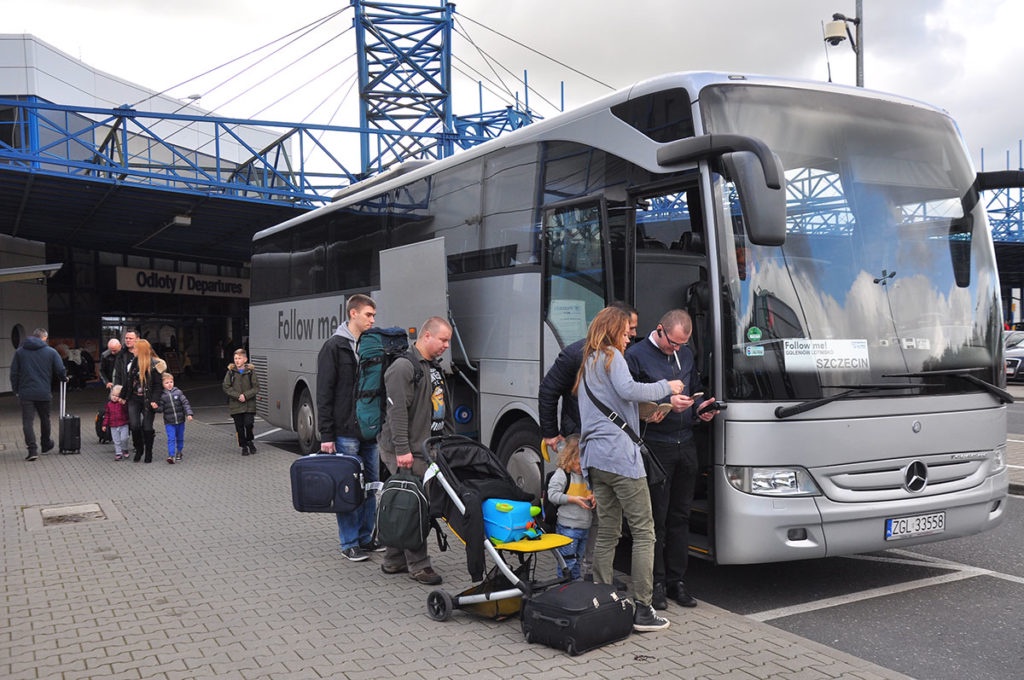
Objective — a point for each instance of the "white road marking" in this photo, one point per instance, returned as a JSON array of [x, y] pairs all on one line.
[[264, 434], [959, 572]]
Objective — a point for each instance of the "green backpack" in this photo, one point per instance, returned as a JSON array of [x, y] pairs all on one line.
[[378, 349]]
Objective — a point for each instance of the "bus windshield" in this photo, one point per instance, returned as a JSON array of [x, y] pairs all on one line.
[[888, 266]]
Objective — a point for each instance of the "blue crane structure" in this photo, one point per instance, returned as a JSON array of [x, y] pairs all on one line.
[[144, 176]]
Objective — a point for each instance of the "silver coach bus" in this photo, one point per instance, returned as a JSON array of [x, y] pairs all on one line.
[[828, 241]]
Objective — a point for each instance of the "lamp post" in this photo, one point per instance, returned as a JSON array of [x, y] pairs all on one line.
[[838, 30]]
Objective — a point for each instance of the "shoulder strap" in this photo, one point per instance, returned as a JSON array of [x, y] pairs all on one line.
[[619, 421]]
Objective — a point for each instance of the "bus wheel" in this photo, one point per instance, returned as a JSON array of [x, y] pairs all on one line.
[[519, 450], [305, 426]]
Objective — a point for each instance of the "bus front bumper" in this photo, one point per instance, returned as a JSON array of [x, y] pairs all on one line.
[[753, 529]]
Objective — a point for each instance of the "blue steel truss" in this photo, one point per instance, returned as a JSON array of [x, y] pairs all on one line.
[[404, 81], [405, 86], [178, 152]]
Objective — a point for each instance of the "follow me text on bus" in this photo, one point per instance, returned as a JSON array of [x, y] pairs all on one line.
[[828, 242]]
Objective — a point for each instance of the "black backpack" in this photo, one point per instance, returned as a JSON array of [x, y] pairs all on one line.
[[378, 349], [403, 516], [549, 510]]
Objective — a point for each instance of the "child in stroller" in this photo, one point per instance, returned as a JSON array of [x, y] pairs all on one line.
[[463, 474]]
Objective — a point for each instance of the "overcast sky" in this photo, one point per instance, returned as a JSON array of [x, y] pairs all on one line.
[[962, 55]]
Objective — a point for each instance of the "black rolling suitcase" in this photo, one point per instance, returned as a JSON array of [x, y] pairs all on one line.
[[69, 428], [327, 483], [577, 617]]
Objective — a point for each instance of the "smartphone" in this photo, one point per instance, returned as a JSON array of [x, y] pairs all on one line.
[[696, 395]]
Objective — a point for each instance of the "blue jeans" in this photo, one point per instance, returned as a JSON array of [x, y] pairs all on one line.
[[356, 527], [175, 438], [574, 551]]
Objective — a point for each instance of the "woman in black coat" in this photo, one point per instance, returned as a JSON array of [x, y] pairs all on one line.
[[143, 389]]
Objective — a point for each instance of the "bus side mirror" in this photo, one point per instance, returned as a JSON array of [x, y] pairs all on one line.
[[764, 208]]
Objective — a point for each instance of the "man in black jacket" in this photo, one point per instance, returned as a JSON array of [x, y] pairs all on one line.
[[336, 419], [557, 384], [33, 368], [107, 361]]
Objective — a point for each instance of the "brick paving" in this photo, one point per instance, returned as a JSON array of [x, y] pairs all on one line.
[[203, 570]]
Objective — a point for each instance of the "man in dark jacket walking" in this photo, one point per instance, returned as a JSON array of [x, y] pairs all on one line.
[[32, 371], [336, 419]]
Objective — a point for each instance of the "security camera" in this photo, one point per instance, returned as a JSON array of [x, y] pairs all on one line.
[[835, 32]]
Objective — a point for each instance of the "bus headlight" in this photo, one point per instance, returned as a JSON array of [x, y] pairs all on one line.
[[791, 481], [999, 459]]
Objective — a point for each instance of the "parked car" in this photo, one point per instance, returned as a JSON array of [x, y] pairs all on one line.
[[1012, 338], [1014, 357]]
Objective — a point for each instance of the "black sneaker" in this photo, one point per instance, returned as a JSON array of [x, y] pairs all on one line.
[[645, 620], [677, 592], [252, 448], [355, 554], [659, 600], [48, 446], [32, 455], [373, 546]]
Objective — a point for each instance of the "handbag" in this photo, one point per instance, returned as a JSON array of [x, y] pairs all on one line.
[[653, 468]]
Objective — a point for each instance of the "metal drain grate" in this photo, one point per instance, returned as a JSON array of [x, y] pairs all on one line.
[[72, 513], [37, 517]]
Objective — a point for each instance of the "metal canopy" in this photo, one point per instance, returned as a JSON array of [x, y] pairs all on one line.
[[34, 272], [133, 219]]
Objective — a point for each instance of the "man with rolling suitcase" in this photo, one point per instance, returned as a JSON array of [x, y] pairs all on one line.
[[33, 369], [336, 415]]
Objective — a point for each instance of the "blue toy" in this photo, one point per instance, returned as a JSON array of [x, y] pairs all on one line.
[[506, 521]]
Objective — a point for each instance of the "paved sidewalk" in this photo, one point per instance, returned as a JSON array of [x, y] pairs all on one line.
[[203, 570]]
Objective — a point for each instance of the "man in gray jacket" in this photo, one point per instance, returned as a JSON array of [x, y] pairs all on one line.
[[32, 371], [418, 407]]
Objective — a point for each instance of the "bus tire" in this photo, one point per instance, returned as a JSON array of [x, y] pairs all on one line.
[[305, 424], [519, 452]]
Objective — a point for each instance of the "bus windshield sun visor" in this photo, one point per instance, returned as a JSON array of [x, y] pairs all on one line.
[[711, 146]]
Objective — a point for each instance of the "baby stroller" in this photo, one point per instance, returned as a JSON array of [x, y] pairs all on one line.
[[463, 474]]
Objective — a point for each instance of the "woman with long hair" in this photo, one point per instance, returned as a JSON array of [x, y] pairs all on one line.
[[144, 388], [611, 459]]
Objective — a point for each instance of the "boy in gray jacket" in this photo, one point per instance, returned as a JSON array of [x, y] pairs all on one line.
[[176, 410]]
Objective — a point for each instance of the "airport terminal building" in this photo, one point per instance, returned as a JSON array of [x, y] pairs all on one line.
[[90, 254]]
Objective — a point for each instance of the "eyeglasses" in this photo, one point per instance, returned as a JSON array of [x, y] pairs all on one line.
[[672, 343]]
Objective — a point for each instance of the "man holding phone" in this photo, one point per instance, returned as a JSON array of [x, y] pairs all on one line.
[[665, 355]]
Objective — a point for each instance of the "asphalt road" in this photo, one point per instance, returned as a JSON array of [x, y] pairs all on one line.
[[944, 611]]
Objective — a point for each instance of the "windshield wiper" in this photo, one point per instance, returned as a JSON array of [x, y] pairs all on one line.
[[787, 411], [964, 374]]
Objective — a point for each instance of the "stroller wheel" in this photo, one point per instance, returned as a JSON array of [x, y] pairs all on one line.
[[439, 605]]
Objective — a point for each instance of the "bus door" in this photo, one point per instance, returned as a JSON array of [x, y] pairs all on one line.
[[413, 286], [576, 279], [671, 272]]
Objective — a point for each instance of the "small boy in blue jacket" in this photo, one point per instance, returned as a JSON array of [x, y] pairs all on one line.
[[176, 410]]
